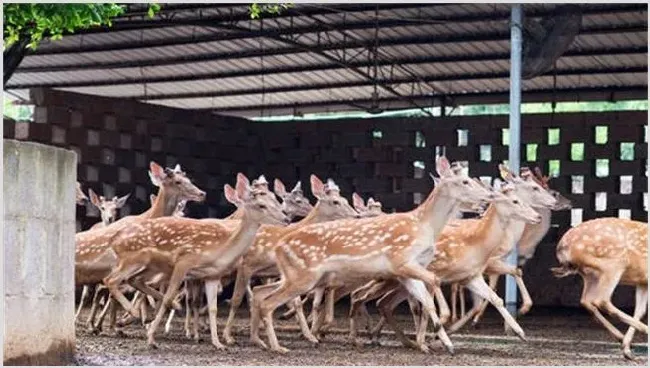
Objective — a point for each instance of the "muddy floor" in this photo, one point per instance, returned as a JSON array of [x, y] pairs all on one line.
[[568, 337]]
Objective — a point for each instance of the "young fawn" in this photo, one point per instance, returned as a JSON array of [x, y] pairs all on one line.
[[261, 256], [397, 245], [606, 252], [107, 207], [196, 249]]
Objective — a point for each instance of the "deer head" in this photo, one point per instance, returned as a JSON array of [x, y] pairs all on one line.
[[528, 188], [509, 206], [107, 207], [80, 196], [563, 203], [175, 183], [294, 203], [456, 184], [261, 206], [371, 209], [330, 206]]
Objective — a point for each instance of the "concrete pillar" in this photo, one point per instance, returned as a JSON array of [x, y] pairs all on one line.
[[39, 228]]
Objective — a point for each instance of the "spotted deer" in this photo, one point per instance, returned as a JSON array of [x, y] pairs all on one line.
[[462, 253], [261, 256], [607, 252], [392, 245], [196, 249], [107, 208], [94, 256], [108, 211], [527, 243]]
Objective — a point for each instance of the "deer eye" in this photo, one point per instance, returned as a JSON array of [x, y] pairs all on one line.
[[336, 203], [536, 189], [465, 182], [177, 182], [515, 201], [262, 206]]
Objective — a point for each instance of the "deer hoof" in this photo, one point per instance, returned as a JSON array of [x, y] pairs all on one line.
[[627, 353], [280, 350]]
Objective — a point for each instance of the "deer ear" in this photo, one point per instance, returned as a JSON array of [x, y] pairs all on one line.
[[505, 173], [243, 178], [93, 198], [279, 188], [177, 168], [298, 187], [156, 173], [242, 188], [231, 195], [317, 187], [121, 201], [357, 202], [443, 167], [152, 198], [371, 201]]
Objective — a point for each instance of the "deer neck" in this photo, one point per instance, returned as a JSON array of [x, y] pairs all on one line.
[[240, 240], [491, 229], [533, 233], [164, 205], [434, 213], [237, 215], [313, 217]]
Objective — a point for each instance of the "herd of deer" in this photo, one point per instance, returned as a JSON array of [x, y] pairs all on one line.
[[337, 250]]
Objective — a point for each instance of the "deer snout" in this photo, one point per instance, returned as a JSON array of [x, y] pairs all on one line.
[[201, 195], [286, 220]]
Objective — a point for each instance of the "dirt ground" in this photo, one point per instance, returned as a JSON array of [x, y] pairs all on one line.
[[567, 337]]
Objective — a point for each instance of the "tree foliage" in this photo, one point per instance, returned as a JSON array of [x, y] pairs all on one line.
[[38, 21], [257, 10]]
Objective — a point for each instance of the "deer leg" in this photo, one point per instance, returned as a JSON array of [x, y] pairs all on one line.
[[461, 292], [478, 286], [357, 300], [302, 320], [417, 272], [90, 321], [288, 290], [211, 289], [419, 291], [98, 325], [476, 305], [454, 298], [82, 300], [640, 309], [606, 285], [180, 270], [316, 314], [589, 295], [241, 284], [493, 279], [124, 271], [442, 305]]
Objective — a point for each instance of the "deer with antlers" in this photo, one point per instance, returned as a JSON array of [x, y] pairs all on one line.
[[463, 252], [526, 244], [261, 256], [607, 252], [392, 245], [94, 256], [197, 249]]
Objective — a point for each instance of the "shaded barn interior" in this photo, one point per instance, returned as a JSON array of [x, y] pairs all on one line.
[[387, 158], [180, 87]]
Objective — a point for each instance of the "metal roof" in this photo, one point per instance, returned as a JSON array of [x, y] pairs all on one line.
[[320, 57]]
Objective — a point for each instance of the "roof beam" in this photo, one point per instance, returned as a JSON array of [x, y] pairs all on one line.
[[350, 44], [343, 26], [497, 56], [365, 82], [569, 94]]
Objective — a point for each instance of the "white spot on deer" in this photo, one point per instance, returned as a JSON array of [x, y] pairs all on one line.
[[403, 237]]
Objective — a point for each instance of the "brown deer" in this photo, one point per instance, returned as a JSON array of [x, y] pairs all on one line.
[[94, 256], [397, 245], [107, 208], [108, 211], [261, 256], [197, 249], [462, 253], [527, 243], [607, 252]]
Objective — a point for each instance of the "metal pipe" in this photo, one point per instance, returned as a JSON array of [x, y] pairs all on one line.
[[514, 147]]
